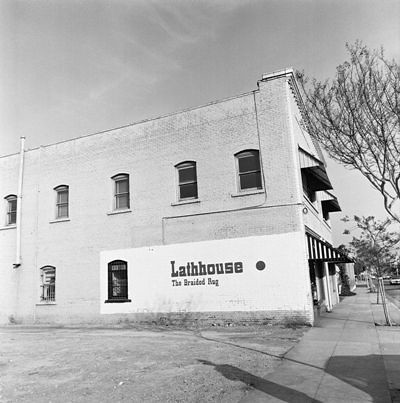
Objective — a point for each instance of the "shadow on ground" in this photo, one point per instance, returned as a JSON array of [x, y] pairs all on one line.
[[365, 373], [271, 388]]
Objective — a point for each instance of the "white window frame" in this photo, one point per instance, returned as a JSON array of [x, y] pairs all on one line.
[[184, 165], [9, 211], [245, 153], [116, 195], [59, 190]]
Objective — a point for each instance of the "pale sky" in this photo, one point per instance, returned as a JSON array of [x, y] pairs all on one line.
[[70, 68]]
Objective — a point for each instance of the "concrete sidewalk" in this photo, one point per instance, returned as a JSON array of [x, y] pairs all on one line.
[[344, 358]]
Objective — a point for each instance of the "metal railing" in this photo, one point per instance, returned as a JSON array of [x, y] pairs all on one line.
[[48, 292]]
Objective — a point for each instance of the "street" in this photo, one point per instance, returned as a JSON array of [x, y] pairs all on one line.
[[393, 292]]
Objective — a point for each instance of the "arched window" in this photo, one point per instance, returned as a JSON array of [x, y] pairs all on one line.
[[11, 207], [187, 180], [48, 283], [118, 281], [121, 191], [62, 201], [248, 170]]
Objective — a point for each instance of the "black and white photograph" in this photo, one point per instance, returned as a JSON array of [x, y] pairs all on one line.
[[199, 201]]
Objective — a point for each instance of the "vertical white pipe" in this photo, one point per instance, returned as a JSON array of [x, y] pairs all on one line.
[[328, 288], [19, 202], [335, 279]]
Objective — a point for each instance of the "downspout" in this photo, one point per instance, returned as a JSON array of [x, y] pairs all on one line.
[[19, 203]]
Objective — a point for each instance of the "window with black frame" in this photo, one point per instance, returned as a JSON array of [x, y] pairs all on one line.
[[249, 170], [118, 281], [187, 180]]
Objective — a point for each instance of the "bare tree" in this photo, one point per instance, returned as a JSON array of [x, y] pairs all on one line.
[[356, 118], [375, 248]]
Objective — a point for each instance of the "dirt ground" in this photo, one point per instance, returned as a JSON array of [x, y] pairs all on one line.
[[138, 364]]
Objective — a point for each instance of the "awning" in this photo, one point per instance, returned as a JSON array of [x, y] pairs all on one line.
[[314, 168], [308, 160], [329, 202], [321, 251]]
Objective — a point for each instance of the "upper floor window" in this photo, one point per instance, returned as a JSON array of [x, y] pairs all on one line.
[[48, 283], [11, 217], [249, 170], [121, 191], [62, 201], [118, 281], [187, 180], [308, 189]]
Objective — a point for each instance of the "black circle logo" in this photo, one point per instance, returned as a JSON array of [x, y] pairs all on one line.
[[260, 265]]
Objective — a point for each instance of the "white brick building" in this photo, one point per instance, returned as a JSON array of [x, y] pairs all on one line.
[[218, 212]]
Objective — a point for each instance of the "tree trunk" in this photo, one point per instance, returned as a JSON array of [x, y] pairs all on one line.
[[378, 292], [383, 295]]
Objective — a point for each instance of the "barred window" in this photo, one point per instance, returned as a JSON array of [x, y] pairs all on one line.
[[62, 202], [121, 191], [187, 180], [248, 170], [118, 281], [11, 217], [48, 284]]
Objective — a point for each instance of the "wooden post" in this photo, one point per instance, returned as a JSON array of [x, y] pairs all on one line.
[[383, 295]]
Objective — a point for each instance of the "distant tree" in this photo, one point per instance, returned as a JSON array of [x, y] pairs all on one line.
[[376, 249], [356, 118], [344, 278], [358, 268], [358, 265]]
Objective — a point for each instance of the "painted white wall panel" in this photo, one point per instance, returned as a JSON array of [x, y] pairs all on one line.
[[152, 286]]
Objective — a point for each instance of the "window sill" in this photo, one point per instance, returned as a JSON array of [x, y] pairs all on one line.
[[59, 220], [118, 301], [11, 226], [122, 211], [191, 201], [46, 303], [248, 193]]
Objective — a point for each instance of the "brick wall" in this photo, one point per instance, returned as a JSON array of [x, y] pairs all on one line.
[[8, 275], [148, 152]]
